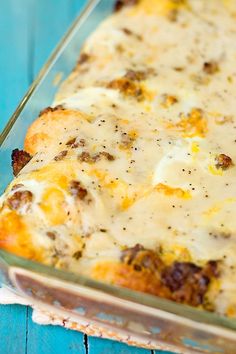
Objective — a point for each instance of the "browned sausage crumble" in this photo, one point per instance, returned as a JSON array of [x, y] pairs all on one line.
[[210, 67], [119, 4], [128, 32], [19, 199], [86, 157], [51, 109], [51, 235], [77, 190], [188, 282], [73, 143], [84, 57], [19, 159], [136, 75], [183, 282], [223, 161], [61, 155], [127, 87]]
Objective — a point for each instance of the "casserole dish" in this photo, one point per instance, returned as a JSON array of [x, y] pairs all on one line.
[[81, 296]]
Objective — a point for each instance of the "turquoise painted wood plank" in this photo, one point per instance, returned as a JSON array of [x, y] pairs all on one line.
[[14, 81], [12, 329], [51, 20], [53, 340], [105, 346], [14, 56]]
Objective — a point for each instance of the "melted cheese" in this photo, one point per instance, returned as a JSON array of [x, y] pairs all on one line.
[[164, 131]]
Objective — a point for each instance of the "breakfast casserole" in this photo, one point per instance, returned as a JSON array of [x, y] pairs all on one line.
[[129, 177]]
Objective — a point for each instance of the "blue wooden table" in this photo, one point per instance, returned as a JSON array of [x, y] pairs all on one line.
[[29, 30]]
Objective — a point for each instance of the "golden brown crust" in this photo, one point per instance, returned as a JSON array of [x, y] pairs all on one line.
[[124, 275], [143, 270], [50, 109], [49, 128], [14, 237]]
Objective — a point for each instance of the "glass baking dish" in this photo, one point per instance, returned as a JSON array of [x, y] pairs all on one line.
[[121, 314]]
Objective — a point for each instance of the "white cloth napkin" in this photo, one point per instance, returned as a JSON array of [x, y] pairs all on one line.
[[39, 316], [44, 317]]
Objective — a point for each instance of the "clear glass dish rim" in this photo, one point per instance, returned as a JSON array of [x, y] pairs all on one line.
[[183, 311]]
